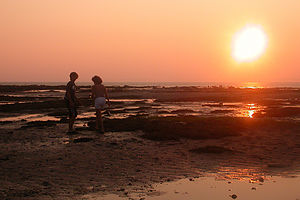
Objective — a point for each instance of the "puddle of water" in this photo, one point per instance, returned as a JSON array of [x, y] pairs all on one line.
[[213, 109], [113, 116], [87, 114], [43, 118], [7, 102], [30, 118], [14, 95], [18, 102], [167, 115], [291, 106], [39, 91], [133, 100], [130, 108], [81, 123], [18, 118], [249, 110], [275, 188], [120, 116]]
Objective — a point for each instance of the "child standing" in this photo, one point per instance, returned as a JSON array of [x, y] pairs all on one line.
[[99, 96], [71, 100]]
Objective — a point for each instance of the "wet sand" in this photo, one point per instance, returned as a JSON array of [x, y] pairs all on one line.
[[153, 137], [211, 188]]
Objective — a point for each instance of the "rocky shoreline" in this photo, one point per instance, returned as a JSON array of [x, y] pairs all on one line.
[[150, 138]]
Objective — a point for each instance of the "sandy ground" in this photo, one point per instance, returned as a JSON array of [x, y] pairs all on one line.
[[46, 163]]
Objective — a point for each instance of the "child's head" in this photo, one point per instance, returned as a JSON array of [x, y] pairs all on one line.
[[97, 80], [73, 76]]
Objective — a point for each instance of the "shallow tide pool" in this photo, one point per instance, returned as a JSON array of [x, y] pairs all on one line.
[[209, 188]]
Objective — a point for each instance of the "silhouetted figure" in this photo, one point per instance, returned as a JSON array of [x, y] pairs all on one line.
[[71, 100], [99, 96]]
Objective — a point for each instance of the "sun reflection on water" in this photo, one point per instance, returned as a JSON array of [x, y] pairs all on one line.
[[250, 113], [252, 175], [251, 110], [252, 85]]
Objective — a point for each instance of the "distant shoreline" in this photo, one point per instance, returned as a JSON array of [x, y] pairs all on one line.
[[168, 84]]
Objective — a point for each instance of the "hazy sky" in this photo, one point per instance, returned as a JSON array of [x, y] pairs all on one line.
[[145, 40]]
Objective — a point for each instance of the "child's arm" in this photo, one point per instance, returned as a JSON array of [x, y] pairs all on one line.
[[69, 97], [76, 99]]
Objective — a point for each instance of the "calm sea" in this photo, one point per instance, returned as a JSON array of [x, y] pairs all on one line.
[[169, 84]]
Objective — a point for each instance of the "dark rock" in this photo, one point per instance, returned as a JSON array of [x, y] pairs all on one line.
[[5, 158], [113, 143], [276, 166], [221, 111], [182, 111], [72, 132], [79, 140], [58, 113], [283, 112], [63, 120], [45, 183], [211, 149], [261, 179], [40, 124]]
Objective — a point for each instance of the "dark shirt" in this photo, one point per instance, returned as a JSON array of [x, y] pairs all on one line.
[[71, 88]]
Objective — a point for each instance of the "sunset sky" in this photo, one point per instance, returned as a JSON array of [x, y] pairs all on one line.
[[145, 40]]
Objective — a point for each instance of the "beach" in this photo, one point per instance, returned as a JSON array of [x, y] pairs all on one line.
[[155, 135]]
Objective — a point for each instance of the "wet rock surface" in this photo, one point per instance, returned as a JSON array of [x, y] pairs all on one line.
[[212, 149], [39, 160], [82, 139]]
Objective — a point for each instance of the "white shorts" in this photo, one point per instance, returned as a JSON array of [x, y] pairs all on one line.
[[100, 102]]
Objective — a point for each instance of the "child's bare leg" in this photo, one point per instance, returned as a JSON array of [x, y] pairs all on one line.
[[98, 113], [71, 123], [101, 121]]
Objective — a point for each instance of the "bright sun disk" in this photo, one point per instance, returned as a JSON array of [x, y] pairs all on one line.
[[249, 43]]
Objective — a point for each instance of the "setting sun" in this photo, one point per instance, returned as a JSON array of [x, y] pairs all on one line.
[[249, 43]]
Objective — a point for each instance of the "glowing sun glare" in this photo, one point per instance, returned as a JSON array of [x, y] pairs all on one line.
[[249, 43]]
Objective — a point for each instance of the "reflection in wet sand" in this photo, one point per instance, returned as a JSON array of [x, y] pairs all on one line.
[[132, 108], [252, 85], [275, 188], [250, 113], [249, 110], [252, 175], [252, 107], [30, 118], [257, 153]]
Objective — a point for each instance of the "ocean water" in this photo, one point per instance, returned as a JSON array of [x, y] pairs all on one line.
[[172, 84]]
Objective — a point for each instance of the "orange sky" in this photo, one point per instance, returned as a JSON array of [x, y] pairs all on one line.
[[145, 40]]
